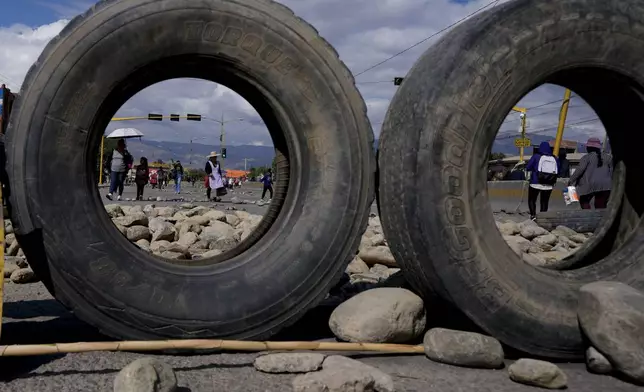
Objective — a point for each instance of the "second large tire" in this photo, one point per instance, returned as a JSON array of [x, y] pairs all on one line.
[[316, 117], [439, 133]]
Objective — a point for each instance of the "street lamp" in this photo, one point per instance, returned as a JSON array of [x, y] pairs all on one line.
[[222, 139], [194, 139]]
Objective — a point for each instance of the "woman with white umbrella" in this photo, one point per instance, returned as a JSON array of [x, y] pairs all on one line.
[[121, 163]]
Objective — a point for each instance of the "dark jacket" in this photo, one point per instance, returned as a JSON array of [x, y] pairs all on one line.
[[142, 175], [533, 163], [564, 164], [590, 178], [267, 179]]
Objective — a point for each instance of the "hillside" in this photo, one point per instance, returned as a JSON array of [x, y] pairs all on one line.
[[194, 155]]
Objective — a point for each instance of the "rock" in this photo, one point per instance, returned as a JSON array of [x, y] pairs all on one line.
[[243, 215], [114, 210], [365, 278], [138, 219], [200, 220], [532, 260], [463, 349], [173, 255], [161, 230], [518, 244], [166, 211], [383, 315], [236, 200], [382, 271], [357, 266], [9, 269], [200, 245], [216, 230], [289, 362], [596, 362], [122, 229], [159, 246], [538, 373], [188, 239], [210, 253], [382, 381], [187, 206], [23, 275], [509, 228], [375, 225], [135, 210], [150, 211], [611, 315], [378, 240], [178, 248], [13, 248], [530, 232], [146, 375], [8, 227], [368, 233], [9, 239], [378, 255], [144, 244], [232, 220], [545, 240], [564, 231], [20, 261], [136, 233], [215, 215], [578, 238], [341, 374], [224, 244], [21, 253]]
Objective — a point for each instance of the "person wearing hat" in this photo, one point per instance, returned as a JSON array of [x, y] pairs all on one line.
[[215, 177], [594, 176]]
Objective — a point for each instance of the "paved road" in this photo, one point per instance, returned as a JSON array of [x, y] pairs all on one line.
[[197, 196], [32, 316]]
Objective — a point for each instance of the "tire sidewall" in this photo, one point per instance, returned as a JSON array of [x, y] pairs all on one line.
[[286, 270]]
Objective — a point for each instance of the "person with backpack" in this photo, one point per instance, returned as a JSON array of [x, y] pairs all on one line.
[[544, 171], [142, 177], [594, 176]]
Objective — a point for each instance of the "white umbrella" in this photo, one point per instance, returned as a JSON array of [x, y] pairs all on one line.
[[125, 133]]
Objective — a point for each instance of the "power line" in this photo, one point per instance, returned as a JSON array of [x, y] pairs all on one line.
[[8, 79], [549, 129], [378, 82], [493, 2]]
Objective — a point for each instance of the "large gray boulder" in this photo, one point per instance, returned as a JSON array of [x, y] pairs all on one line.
[[596, 362], [463, 349], [146, 375], [382, 315], [161, 230], [137, 219], [378, 255], [611, 315], [216, 231], [136, 233]]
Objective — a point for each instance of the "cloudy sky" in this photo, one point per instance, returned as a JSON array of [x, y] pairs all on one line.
[[365, 32]]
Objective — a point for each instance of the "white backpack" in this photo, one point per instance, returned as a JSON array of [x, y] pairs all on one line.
[[547, 170]]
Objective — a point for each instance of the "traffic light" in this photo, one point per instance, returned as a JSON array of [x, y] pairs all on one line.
[[174, 117], [194, 117], [155, 117], [398, 81], [223, 153]]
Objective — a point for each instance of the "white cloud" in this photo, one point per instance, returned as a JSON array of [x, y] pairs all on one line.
[[364, 32]]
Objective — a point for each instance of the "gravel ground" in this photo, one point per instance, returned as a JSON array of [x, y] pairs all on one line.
[[32, 316]]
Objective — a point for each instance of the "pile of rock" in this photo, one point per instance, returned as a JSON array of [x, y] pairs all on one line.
[[186, 232], [538, 246], [16, 267]]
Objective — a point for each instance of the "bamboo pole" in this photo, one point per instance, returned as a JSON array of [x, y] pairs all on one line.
[[225, 345]]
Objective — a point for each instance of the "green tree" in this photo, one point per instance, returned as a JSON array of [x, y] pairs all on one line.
[[495, 156]]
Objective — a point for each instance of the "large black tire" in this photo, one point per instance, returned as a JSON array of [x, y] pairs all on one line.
[[315, 115], [439, 132]]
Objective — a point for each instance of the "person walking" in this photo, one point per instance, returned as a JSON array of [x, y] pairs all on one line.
[[544, 170], [594, 176], [121, 163], [267, 180], [142, 177], [215, 178], [564, 164], [178, 176]]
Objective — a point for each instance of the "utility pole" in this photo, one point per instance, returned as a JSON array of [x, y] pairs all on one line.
[[562, 121], [222, 139], [246, 160]]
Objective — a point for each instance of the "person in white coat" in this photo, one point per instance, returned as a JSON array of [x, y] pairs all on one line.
[[215, 178]]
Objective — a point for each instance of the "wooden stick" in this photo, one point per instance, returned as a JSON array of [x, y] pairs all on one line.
[[226, 345]]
